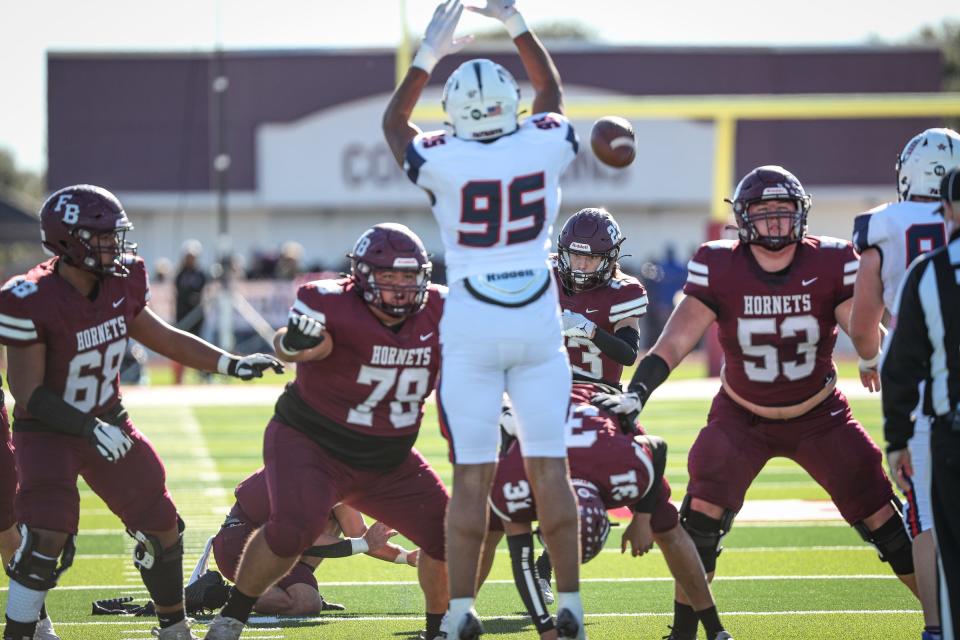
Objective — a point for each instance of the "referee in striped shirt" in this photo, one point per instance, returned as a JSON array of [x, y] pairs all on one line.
[[925, 346]]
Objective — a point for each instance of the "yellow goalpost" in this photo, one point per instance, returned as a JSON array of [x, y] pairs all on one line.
[[725, 111]]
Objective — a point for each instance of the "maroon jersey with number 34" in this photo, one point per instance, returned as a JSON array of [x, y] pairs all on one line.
[[777, 330]]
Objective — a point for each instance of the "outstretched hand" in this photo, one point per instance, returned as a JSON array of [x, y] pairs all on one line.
[[497, 9], [438, 40]]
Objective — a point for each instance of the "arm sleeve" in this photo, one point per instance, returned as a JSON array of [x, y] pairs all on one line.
[[622, 346], [906, 361]]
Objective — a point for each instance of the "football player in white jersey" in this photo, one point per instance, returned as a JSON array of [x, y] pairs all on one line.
[[493, 183], [889, 237]]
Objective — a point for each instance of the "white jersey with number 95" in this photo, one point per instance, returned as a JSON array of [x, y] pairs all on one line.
[[495, 201]]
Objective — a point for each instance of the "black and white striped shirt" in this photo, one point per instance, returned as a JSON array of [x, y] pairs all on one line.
[[925, 344]]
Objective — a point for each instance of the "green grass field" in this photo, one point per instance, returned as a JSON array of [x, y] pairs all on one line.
[[782, 580]]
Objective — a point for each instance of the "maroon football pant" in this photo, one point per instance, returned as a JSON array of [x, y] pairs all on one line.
[[8, 473], [827, 442], [305, 481], [228, 544], [133, 488]]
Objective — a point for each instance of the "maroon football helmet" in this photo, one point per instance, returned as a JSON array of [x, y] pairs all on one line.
[[588, 232], [770, 182], [594, 522], [74, 223], [390, 247]]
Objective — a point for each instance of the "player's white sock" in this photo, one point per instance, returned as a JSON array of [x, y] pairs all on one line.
[[571, 600], [23, 604], [459, 608]]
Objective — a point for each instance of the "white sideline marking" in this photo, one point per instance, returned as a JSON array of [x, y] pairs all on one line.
[[645, 614], [235, 395]]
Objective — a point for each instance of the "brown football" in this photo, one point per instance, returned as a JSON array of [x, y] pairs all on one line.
[[612, 141]]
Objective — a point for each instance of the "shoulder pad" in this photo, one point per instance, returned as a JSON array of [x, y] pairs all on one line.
[[861, 232], [829, 242], [325, 287], [723, 243]]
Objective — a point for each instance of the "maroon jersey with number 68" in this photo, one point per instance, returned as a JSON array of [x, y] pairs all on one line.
[[621, 298], [375, 380], [85, 339], [619, 467], [777, 330]]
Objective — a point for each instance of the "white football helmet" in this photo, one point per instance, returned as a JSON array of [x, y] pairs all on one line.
[[924, 161], [481, 98]]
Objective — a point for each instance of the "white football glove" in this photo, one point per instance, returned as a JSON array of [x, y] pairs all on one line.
[[619, 403], [303, 332], [576, 325], [438, 40], [497, 9], [248, 367], [506, 12], [110, 440]]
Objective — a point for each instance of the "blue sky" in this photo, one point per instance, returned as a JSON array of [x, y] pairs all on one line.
[[30, 29]]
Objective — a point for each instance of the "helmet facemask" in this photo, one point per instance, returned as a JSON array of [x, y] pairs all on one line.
[[771, 184], [575, 280], [795, 229], [121, 248], [414, 295]]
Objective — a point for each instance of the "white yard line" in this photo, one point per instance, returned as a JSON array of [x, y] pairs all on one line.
[[645, 614], [406, 583]]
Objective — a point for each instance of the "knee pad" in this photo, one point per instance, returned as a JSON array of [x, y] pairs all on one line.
[[891, 541], [160, 569], [286, 540], [706, 532], [35, 571]]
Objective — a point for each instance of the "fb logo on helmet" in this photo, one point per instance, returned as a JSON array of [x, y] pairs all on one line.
[[362, 244], [72, 214]]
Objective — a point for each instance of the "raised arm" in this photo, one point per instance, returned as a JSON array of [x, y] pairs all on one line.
[[437, 42], [541, 71]]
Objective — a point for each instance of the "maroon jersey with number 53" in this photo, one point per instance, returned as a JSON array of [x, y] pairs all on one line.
[[777, 330], [85, 339], [372, 386]]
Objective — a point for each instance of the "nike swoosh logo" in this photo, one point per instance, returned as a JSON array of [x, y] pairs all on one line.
[[809, 282], [836, 413], [119, 302], [425, 337], [592, 310]]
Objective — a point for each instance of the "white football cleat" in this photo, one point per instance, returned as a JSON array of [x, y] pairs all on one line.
[[723, 635], [224, 629], [547, 591], [178, 631], [44, 630]]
